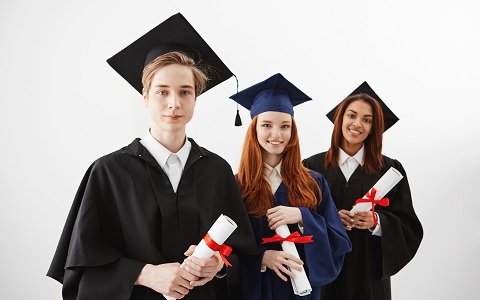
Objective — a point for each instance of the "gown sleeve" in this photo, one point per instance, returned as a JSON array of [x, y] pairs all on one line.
[[325, 255], [402, 231], [86, 261]]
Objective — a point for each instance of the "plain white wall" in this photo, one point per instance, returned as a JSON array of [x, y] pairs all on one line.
[[62, 107]]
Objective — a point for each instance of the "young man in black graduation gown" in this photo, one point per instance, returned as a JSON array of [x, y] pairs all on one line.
[[130, 225], [380, 251]]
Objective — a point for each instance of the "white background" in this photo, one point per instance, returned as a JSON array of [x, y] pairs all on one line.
[[62, 106]]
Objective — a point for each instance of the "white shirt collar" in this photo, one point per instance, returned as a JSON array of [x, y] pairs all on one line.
[[269, 169], [342, 157], [272, 175], [358, 156], [161, 154], [348, 164]]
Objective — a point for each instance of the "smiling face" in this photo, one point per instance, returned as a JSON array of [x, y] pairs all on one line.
[[356, 126], [274, 130], [171, 99]]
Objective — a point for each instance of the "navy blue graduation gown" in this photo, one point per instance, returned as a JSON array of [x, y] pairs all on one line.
[[367, 268], [323, 258]]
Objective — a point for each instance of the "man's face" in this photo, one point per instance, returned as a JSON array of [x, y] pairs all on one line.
[[171, 98]]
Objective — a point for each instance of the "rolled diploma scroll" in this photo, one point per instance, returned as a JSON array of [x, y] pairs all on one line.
[[301, 285], [383, 186], [219, 232]]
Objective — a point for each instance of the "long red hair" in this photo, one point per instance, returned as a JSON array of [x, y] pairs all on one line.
[[373, 143], [303, 190]]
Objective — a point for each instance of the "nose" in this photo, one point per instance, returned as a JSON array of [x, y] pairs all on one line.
[[276, 133], [173, 101]]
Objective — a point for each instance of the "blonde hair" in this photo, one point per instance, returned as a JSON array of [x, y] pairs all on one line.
[[174, 57]]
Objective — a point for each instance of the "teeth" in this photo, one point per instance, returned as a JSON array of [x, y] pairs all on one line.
[[275, 143], [354, 131]]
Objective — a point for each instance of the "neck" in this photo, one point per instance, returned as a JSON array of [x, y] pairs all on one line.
[[271, 159], [173, 141], [351, 149]]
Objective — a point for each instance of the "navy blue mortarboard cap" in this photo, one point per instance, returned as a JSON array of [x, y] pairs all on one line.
[[173, 34], [274, 94], [389, 117]]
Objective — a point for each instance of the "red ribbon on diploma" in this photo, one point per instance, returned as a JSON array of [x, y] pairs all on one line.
[[371, 198], [294, 237], [224, 250]]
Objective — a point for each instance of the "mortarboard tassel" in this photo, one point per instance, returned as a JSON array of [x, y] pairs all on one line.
[[238, 120]]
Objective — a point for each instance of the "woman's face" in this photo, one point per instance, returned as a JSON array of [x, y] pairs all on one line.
[[356, 126], [274, 130], [171, 98]]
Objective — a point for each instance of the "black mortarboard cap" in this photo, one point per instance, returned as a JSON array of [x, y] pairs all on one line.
[[174, 34], [273, 94], [388, 116]]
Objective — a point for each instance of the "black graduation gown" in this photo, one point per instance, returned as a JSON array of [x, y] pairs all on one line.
[[367, 269], [125, 214], [323, 258]]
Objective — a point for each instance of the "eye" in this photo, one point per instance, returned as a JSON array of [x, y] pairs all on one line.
[[285, 126], [351, 116], [185, 93], [161, 92], [367, 120], [266, 125]]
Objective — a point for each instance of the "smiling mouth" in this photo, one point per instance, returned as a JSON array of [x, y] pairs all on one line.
[[275, 143], [355, 132]]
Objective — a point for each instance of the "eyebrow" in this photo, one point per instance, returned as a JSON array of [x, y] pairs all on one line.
[[283, 122], [185, 86], [357, 113], [352, 110]]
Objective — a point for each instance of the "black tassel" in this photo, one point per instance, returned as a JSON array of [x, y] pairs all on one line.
[[238, 121]]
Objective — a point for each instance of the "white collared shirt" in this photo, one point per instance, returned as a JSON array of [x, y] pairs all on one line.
[[272, 175], [348, 164], [162, 154]]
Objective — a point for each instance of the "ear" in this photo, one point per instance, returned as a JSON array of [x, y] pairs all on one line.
[[145, 98]]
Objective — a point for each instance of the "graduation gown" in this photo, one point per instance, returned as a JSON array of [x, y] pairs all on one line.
[[126, 214], [367, 269], [322, 258]]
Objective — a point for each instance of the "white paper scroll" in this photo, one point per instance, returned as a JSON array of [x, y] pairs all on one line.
[[383, 186], [219, 232], [301, 285]]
